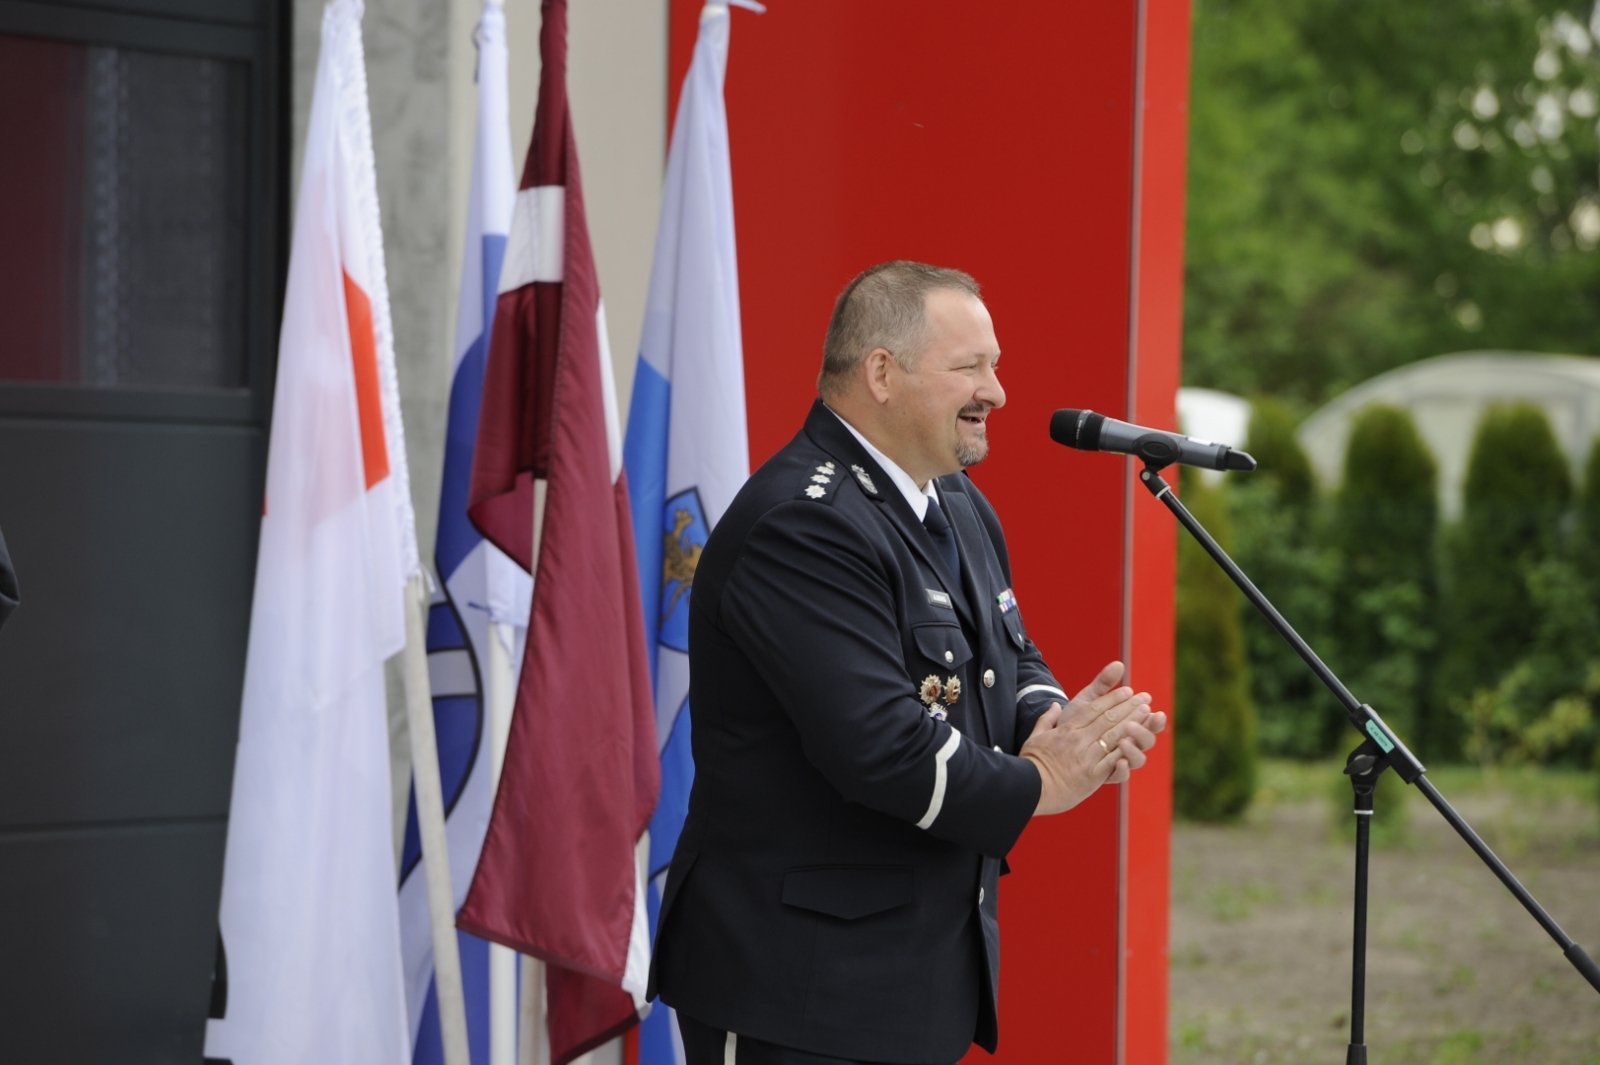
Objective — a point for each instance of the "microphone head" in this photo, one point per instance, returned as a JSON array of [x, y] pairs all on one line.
[[1077, 428], [1242, 461]]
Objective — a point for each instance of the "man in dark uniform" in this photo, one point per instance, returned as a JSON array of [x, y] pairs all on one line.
[[872, 726]]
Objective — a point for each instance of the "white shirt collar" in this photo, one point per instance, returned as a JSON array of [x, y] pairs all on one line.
[[916, 497]]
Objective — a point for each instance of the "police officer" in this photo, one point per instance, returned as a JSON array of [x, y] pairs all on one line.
[[872, 727]]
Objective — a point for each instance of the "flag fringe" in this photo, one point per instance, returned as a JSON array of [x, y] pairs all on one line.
[[341, 25]]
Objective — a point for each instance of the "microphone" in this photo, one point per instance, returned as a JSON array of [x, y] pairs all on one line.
[[1088, 431]]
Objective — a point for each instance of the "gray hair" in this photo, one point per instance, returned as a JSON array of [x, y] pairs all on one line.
[[886, 306]]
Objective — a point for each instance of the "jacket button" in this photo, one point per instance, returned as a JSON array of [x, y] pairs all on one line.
[[980, 896], [988, 678], [949, 656]]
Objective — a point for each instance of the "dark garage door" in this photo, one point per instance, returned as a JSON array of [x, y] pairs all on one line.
[[140, 243]]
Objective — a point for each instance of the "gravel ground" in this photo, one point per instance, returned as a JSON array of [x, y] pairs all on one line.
[[1457, 971]]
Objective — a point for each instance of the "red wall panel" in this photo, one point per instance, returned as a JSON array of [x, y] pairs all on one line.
[[1003, 140], [1156, 345]]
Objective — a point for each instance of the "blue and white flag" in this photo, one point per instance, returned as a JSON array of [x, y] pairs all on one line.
[[479, 585], [686, 453]]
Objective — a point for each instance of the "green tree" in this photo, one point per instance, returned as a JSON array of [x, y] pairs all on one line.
[[1384, 528], [1214, 729], [1516, 492], [1372, 183], [1275, 524]]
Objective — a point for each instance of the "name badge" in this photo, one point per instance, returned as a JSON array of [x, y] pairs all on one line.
[[938, 598]]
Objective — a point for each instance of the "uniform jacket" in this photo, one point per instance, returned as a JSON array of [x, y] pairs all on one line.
[[856, 716]]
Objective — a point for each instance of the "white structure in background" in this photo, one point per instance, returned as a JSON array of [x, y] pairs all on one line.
[[1447, 396], [1220, 417]]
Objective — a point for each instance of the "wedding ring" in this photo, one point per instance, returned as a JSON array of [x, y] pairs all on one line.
[[1102, 742]]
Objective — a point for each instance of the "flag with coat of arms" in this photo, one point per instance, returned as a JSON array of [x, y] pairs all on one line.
[[687, 453]]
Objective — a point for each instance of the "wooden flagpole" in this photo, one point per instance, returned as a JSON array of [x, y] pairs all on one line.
[[430, 822]]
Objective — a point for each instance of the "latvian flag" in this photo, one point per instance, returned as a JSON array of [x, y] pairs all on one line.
[[558, 877]]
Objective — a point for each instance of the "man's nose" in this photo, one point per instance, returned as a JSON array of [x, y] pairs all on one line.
[[989, 389]]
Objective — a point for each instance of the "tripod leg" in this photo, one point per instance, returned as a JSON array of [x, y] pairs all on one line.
[[1364, 783]]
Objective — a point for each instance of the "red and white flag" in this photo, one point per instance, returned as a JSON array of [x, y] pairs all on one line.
[[559, 877], [310, 964]]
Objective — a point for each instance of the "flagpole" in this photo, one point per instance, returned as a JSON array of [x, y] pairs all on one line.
[[430, 823], [517, 1033], [533, 1047], [502, 960]]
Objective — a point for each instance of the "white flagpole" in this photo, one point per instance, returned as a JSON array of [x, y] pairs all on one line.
[[533, 1042], [502, 960], [430, 822], [506, 1013]]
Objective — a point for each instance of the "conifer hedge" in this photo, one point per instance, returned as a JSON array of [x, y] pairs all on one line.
[[1279, 457], [1586, 536], [1274, 512], [1214, 727], [1516, 492], [1384, 526]]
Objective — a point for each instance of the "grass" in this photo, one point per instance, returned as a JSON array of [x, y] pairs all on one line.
[[1192, 1035], [1284, 781], [1237, 901], [1526, 789], [1546, 785]]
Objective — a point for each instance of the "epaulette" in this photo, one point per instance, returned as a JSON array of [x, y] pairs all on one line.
[[820, 483]]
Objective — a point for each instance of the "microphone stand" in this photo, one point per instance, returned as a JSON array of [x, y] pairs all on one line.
[[1380, 750]]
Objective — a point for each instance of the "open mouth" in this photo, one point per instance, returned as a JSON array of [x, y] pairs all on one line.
[[976, 420]]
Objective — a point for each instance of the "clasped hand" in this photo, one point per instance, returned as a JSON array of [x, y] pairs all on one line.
[[1100, 737]]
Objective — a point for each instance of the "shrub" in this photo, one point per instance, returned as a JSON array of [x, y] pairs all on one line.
[[1543, 707], [1275, 522], [1516, 491], [1383, 528], [1586, 531], [1214, 729], [1280, 458], [1587, 551]]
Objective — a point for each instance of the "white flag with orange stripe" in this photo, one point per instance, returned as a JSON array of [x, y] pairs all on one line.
[[309, 969]]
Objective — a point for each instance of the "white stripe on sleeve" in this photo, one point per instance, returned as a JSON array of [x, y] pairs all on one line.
[[1032, 688], [941, 775]]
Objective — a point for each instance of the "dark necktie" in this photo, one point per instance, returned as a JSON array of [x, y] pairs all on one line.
[[944, 538]]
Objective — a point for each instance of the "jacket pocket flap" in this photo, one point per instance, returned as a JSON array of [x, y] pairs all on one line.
[[848, 891], [1013, 623], [943, 644]]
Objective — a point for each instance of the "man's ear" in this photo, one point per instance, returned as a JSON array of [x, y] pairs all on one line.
[[877, 368]]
